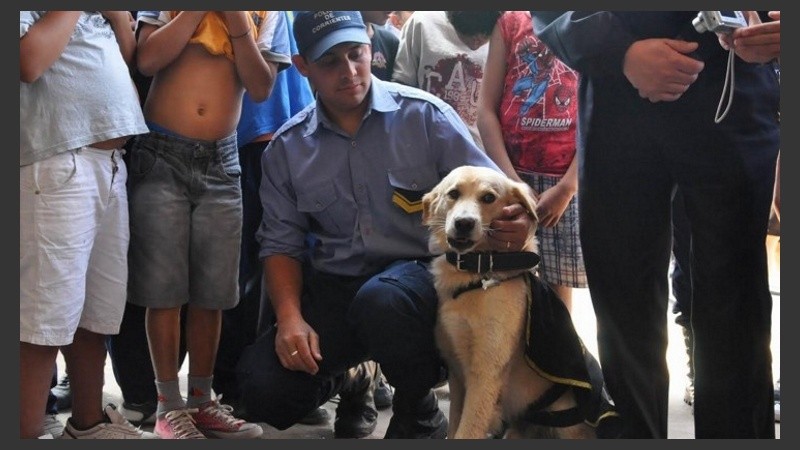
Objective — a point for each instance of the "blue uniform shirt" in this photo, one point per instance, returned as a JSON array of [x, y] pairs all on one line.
[[359, 197]]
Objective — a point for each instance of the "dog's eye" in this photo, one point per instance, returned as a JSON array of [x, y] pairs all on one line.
[[488, 198], [454, 194]]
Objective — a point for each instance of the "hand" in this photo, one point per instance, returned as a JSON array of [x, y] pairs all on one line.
[[510, 232], [660, 68], [726, 39], [758, 42], [237, 22], [297, 346], [552, 204]]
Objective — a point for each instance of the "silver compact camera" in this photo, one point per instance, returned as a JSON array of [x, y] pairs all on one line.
[[719, 21]]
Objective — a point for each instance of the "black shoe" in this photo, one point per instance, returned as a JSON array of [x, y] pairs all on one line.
[[318, 416], [434, 427], [63, 393], [355, 420], [418, 418], [356, 416], [383, 392]]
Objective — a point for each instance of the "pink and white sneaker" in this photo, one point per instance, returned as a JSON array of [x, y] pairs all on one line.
[[216, 420], [178, 424]]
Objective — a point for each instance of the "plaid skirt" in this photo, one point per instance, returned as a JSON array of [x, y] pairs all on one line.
[[559, 246]]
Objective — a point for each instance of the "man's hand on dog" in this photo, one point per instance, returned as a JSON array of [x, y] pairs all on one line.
[[297, 345], [510, 231]]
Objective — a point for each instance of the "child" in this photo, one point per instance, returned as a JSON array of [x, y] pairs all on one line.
[[444, 53], [527, 116], [186, 202], [78, 107]]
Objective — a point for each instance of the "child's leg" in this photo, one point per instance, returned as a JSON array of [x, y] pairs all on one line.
[[35, 372], [85, 359], [106, 287], [202, 340], [163, 337], [216, 235]]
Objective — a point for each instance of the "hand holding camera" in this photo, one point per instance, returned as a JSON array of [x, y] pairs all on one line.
[[743, 31], [743, 34], [720, 22], [758, 42]]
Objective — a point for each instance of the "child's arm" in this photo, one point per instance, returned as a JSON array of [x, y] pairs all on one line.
[[554, 201], [159, 46], [257, 75], [43, 43], [491, 95], [121, 24]]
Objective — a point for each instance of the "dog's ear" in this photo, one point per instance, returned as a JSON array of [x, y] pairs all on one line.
[[525, 196], [431, 205], [428, 201]]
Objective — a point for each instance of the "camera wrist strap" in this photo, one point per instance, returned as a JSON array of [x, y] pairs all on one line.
[[728, 86]]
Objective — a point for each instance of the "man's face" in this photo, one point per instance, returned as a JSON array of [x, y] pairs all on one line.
[[341, 76]]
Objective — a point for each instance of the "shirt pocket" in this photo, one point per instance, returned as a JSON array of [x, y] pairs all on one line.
[[409, 184], [320, 203]]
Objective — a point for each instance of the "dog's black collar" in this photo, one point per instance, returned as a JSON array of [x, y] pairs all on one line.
[[487, 262]]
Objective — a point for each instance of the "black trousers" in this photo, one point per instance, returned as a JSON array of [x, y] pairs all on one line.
[[628, 170], [681, 252], [388, 318]]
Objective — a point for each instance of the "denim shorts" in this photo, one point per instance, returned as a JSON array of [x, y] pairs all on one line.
[[186, 222], [559, 246], [73, 244]]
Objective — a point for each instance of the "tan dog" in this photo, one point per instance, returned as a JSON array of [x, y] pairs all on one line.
[[481, 333]]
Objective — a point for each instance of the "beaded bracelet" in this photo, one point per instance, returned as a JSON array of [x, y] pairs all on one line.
[[241, 35]]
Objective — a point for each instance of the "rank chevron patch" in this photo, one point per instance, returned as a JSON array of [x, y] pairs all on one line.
[[408, 201]]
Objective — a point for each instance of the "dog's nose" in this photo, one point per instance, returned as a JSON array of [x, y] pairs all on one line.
[[464, 225]]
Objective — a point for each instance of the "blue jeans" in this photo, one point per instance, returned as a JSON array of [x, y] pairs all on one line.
[[388, 317], [186, 222]]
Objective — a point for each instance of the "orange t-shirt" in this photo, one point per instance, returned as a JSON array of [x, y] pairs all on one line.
[[212, 32]]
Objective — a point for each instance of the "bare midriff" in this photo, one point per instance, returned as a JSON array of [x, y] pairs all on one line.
[[198, 96]]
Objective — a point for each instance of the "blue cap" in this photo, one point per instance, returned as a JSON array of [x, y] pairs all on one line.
[[317, 31]]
